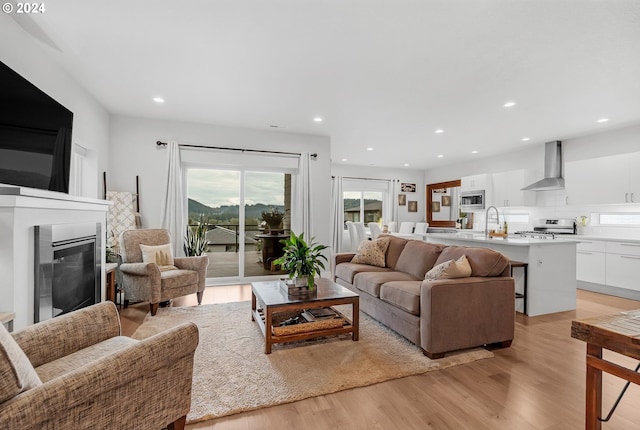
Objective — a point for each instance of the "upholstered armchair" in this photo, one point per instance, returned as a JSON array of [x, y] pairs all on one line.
[[151, 274], [77, 372]]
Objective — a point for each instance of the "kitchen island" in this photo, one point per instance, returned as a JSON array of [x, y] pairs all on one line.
[[551, 280]]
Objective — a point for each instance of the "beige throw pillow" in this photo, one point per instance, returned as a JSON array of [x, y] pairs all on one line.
[[162, 255], [372, 252], [450, 269], [16, 372]]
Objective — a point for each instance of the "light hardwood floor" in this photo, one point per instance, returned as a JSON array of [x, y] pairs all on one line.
[[536, 384]]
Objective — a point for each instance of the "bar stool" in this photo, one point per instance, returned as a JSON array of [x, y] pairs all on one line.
[[522, 295]]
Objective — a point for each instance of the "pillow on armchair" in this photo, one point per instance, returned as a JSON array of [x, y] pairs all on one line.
[[162, 255]]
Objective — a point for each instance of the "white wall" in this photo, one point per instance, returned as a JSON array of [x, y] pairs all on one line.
[[553, 203], [617, 141], [404, 175], [32, 60], [133, 151]]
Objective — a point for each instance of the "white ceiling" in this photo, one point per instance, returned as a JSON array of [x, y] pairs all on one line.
[[381, 73]]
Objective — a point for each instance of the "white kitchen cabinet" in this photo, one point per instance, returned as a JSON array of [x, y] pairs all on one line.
[[603, 180], [634, 179], [474, 182], [591, 262], [623, 264], [507, 189], [622, 271]]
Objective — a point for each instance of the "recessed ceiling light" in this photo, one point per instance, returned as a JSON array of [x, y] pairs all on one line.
[[273, 126], [439, 131], [509, 104], [317, 119], [369, 149], [406, 164], [344, 159], [440, 155], [158, 99], [525, 139], [475, 151], [603, 120]]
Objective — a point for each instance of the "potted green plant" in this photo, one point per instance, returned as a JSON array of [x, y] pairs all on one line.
[[273, 217], [302, 260], [195, 242]]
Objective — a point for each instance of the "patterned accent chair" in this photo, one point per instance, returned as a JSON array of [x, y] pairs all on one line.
[[77, 371], [150, 282]]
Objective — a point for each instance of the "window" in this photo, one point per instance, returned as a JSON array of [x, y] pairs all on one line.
[[363, 206], [365, 200], [619, 219]]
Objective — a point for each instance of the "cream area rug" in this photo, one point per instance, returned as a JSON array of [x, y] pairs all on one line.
[[233, 374]]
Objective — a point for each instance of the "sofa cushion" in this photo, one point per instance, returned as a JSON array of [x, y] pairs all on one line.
[[418, 257], [370, 282], [16, 372], [404, 295], [178, 278], [451, 269], [484, 261], [347, 271], [372, 252], [396, 245]]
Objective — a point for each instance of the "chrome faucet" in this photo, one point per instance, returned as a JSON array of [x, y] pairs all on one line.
[[486, 220]]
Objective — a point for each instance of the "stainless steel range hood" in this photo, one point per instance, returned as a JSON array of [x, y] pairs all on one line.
[[553, 179]]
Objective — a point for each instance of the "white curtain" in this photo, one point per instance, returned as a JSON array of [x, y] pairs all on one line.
[[302, 221], [173, 205], [337, 214], [392, 208]]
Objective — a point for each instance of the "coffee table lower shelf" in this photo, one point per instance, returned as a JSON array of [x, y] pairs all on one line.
[[259, 315]]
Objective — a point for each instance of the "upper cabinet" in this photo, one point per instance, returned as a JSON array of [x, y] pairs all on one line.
[[507, 189], [474, 183], [603, 180]]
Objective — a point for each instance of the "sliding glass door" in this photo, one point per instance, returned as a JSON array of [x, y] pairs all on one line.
[[263, 192], [213, 199], [231, 203]]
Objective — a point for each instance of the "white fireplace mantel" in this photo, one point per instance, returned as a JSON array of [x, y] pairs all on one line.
[[21, 209]]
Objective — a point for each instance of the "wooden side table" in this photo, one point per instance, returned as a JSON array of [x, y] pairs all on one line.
[[7, 318], [619, 333], [110, 269]]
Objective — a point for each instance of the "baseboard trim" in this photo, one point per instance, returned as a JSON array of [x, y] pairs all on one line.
[[607, 289]]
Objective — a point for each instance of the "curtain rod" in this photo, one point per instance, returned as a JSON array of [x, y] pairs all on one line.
[[314, 155], [367, 179]]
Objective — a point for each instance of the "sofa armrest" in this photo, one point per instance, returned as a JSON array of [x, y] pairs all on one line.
[[57, 337], [137, 368], [343, 257], [340, 257], [199, 264], [466, 312]]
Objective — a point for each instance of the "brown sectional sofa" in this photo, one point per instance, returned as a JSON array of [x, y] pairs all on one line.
[[438, 315]]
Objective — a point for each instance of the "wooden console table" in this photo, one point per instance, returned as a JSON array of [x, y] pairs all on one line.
[[110, 269], [619, 333], [7, 318]]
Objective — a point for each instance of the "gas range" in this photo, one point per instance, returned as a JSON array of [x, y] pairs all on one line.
[[536, 234], [549, 228]]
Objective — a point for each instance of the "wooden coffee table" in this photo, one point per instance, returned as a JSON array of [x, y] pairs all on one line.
[[268, 298]]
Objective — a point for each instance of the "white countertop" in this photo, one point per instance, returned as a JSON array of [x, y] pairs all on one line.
[[511, 240]]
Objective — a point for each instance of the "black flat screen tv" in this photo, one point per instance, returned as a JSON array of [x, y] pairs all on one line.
[[35, 135]]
